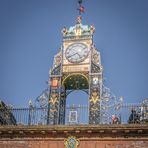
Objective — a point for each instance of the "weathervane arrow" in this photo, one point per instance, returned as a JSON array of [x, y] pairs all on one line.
[[81, 8]]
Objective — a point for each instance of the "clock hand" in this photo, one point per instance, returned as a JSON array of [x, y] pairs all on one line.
[[79, 55], [72, 55]]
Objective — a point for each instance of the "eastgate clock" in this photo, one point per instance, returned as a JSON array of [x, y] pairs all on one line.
[[76, 52]]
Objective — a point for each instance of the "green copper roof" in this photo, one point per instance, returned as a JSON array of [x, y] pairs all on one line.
[[78, 31]]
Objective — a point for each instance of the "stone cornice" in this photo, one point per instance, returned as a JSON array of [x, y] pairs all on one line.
[[103, 132]]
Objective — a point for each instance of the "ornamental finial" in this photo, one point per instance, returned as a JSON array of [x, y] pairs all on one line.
[[92, 29], [64, 31], [79, 20]]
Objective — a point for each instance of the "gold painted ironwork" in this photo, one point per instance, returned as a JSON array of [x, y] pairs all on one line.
[[94, 97], [74, 74], [82, 75]]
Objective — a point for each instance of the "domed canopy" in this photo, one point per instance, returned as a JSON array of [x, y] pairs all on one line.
[[79, 30]]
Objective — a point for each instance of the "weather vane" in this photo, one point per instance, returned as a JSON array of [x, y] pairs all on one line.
[[81, 8]]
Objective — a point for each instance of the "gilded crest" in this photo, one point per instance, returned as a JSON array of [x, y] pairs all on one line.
[[71, 142]]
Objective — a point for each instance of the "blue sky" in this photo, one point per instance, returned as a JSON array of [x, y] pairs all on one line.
[[30, 35]]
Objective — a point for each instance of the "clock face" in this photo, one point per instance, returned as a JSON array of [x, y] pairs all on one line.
[[77, 52]]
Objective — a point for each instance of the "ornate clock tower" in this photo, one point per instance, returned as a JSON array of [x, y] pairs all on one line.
[[77, 66]]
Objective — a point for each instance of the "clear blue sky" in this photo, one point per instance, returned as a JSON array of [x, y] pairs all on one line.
[[30, 35]]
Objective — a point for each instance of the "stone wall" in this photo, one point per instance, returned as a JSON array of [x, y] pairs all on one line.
[[34, 143], [89, 136]]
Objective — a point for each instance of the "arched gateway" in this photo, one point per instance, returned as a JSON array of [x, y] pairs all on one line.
[[77, 66]]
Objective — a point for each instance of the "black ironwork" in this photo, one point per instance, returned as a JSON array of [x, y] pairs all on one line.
[[73, 115]]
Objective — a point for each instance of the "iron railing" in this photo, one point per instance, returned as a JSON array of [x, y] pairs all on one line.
[[124, 114]]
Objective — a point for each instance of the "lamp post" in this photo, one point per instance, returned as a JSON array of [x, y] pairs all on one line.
[[30, 107]]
